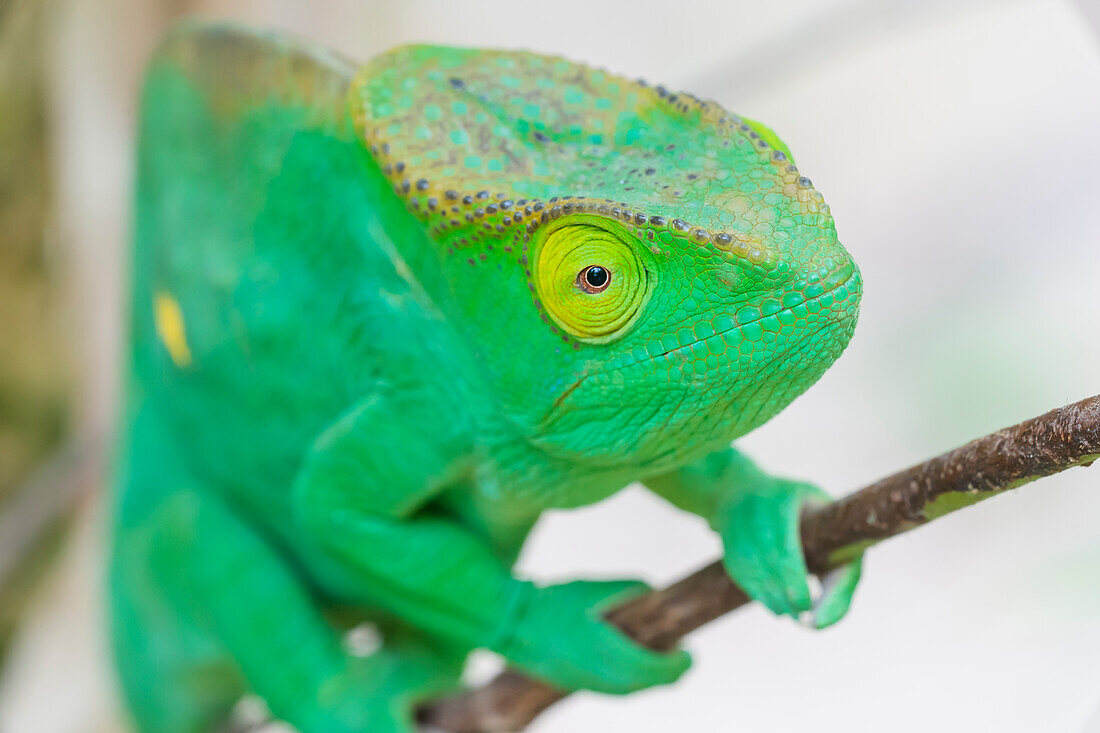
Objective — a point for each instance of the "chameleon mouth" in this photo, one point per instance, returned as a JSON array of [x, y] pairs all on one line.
[[618, 366], [740, 324]]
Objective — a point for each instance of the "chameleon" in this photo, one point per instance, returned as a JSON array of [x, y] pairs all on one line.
[[385, 315]]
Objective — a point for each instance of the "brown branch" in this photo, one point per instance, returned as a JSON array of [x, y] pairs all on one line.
[[1004, 460]]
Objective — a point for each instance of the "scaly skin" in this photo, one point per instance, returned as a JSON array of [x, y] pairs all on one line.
[[369, 351]]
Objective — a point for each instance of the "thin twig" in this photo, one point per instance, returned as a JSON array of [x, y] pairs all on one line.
[[46, 497], [1009, 458]]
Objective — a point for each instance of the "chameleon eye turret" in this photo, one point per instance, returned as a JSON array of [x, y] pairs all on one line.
[[593, 303]]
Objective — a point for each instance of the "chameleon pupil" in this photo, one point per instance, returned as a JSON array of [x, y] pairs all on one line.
[[596, 276]]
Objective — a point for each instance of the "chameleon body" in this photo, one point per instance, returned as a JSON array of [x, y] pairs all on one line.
[[383, 317]]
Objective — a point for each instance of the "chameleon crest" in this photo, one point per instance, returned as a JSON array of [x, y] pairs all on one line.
[[460, 131]]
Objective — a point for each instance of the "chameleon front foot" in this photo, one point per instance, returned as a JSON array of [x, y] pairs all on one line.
[[560, 634], [763, 553]]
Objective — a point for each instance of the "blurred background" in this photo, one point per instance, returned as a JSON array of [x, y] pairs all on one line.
[[958, 144]]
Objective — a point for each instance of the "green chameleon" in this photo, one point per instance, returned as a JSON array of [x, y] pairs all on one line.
[[383, 317]]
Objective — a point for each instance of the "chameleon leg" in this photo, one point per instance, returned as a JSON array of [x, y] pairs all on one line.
[[194, 588], [176, 676], [371, 535]]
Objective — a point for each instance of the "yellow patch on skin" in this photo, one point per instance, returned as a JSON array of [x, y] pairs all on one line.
[[170, 329]]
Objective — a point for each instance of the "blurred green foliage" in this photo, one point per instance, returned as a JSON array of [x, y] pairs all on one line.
[[35, 379]]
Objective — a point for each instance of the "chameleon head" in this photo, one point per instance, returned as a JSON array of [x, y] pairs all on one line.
[[644, 275]]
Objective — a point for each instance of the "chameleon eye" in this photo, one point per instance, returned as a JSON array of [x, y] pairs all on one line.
[[590, 279], [593, 279]]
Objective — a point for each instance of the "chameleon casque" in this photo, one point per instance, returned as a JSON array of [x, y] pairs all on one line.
[[384, 316]]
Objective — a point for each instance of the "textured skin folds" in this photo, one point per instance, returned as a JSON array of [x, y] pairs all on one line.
[[364, 363]]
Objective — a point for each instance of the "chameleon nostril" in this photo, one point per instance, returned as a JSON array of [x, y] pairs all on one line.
[[840, 275]]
